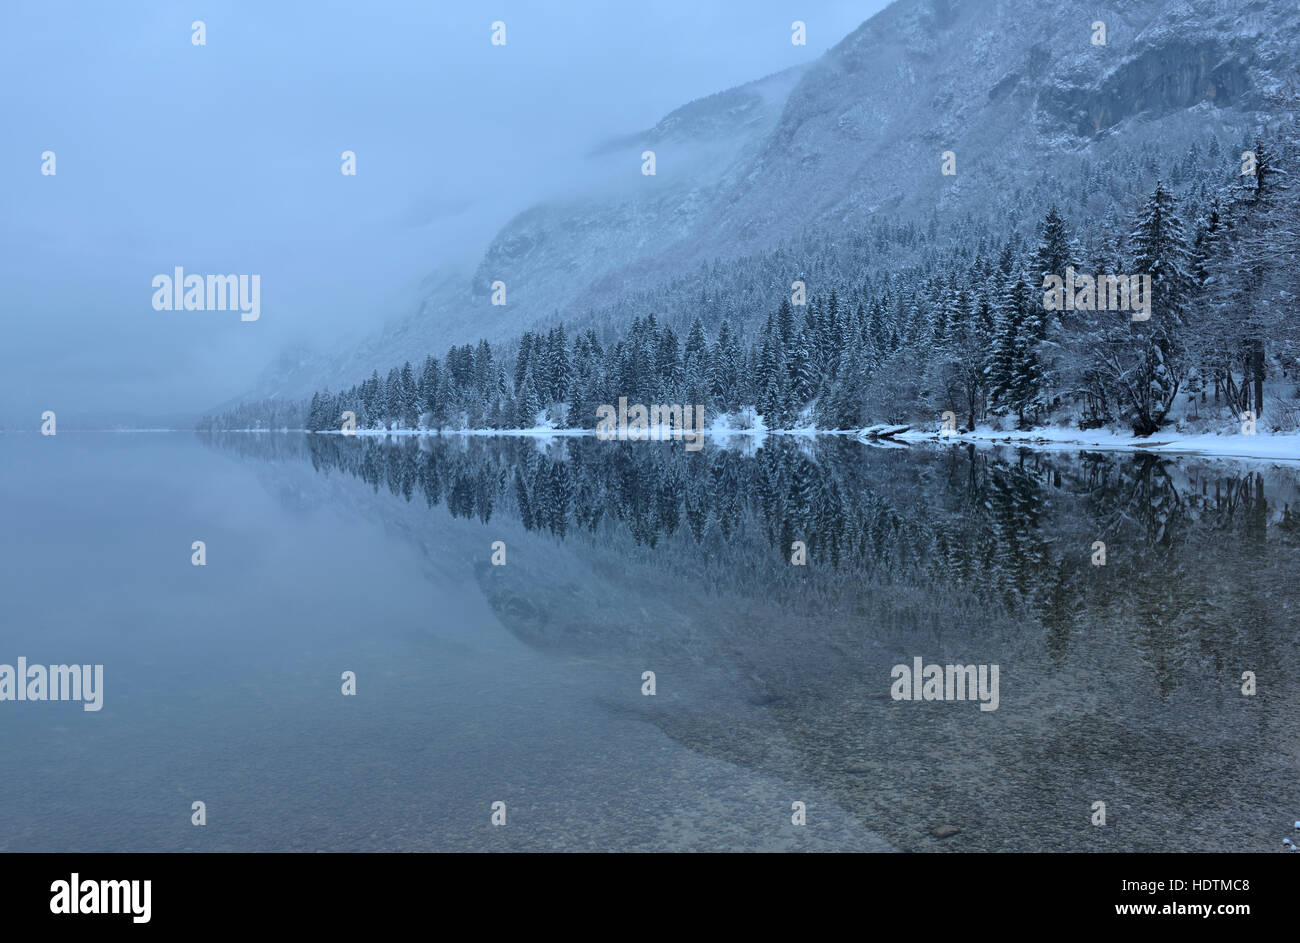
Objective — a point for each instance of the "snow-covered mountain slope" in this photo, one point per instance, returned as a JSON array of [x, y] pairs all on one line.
[[1016, 89]]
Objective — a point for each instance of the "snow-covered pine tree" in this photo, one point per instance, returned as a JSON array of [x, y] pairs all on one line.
[[559, 367], [668, 362], [1142, 363], [724, 369], [1013, 373], [958, 364], [695, 365], [1056, 251], [410, 405], [523, 359], [529, 404], [315, 422], [800, 378]]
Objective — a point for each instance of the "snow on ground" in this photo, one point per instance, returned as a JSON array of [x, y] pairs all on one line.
[[1280, 446]]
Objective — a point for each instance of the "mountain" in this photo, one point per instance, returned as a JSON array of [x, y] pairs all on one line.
[[852, 144]]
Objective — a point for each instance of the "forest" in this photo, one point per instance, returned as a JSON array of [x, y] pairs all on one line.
[[974, 333]]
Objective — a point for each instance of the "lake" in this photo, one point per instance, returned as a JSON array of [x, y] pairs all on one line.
[[771, 591]]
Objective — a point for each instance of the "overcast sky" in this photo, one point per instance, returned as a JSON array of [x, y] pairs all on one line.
[[225, 158]]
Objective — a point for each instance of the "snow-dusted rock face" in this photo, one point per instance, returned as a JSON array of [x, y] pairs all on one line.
[[1017, 90]]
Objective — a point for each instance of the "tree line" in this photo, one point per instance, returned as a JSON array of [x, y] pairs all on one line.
[[970, 334]]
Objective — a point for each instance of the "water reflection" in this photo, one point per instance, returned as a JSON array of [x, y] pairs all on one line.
[[1122, 682]]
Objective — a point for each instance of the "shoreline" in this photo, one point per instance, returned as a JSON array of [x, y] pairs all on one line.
[[1259, 447], [1284, 446], [1276, 446]]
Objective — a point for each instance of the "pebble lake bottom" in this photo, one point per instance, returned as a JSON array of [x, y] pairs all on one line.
[[478, 685]]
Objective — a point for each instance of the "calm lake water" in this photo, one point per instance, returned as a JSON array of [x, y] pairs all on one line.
[[1118, 683]]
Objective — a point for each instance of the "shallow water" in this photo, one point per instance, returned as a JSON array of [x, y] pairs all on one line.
[[522, 683]]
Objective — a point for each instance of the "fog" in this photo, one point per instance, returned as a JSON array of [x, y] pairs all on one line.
[[226, 158]]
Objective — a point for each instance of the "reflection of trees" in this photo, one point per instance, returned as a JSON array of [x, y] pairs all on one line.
[[1118, 680], [1190, 547]]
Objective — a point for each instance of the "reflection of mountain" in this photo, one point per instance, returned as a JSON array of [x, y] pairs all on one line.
[[830, 172], [1119, 683]]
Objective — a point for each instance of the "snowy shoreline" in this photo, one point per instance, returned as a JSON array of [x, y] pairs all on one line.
[[1261, 446]]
